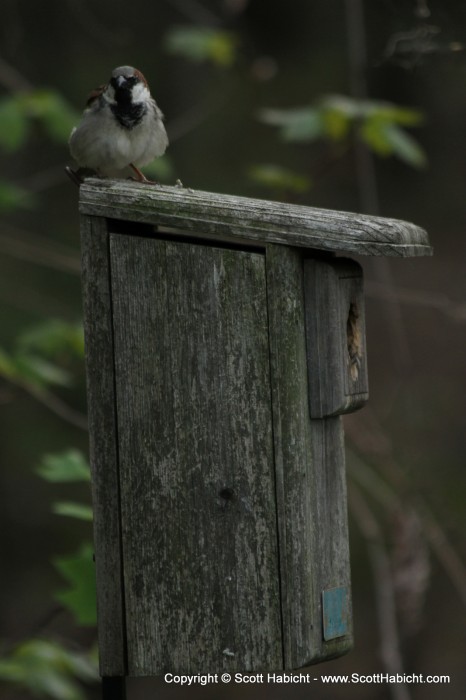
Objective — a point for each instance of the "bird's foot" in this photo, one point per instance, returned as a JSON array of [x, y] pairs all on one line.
[[140, 177]]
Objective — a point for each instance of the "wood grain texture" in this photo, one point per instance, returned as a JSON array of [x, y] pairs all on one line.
[[293, 449], [196, 457], [330, 541], [310, 475], [103, 444], [336, 338], [252, 220]]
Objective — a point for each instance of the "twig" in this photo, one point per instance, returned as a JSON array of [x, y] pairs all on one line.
[[47, 618], [385, 599], [418, 297], [34, 303], [39, 251], [190, 119], [52, 402], [195, 11], [43, 179], [196, 115], [59, 407], [365, 166]]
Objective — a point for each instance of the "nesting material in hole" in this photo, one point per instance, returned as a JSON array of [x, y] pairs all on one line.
[[354, 341]]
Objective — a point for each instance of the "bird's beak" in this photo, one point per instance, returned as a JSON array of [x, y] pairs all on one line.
[[120, 80]]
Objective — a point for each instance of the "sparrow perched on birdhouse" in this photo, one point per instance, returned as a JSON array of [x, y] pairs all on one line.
[[121, 128]]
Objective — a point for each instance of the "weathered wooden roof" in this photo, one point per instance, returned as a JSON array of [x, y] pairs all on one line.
[[255, 221]]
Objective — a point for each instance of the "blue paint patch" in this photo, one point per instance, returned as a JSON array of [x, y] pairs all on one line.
[[335, 612]]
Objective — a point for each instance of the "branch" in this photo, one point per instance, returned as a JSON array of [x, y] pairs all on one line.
[[101, 31], [387, 494], [59, 407], [11, 79], [446, 554]]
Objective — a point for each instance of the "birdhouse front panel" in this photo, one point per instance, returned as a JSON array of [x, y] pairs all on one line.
[[199, 535]]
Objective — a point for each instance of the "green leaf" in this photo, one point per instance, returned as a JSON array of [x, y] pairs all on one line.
[[337, 124], [299, 124], [7, 366], [54, 337], [73, 510], [36, 370], [356, 109], [392, 113], [278, 178], [349, 107], [335, 117], [405, 146], [386, 138], [67, 466], [46, 106], [32, 370], [80, 597], [202, 44], [49, 108], [13, 124], [46, 668], [372, 132]]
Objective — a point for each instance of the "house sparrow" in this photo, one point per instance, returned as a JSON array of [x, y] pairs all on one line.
[[121, 128]]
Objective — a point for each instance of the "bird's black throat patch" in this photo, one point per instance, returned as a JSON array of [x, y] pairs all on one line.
[[128, 113]]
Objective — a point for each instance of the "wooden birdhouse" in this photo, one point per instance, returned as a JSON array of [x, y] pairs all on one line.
[[224, 339]]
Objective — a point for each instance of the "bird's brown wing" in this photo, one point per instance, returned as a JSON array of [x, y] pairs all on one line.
[[95, 94]]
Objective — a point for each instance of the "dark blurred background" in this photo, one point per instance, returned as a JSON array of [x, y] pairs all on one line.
[[214, 67]]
